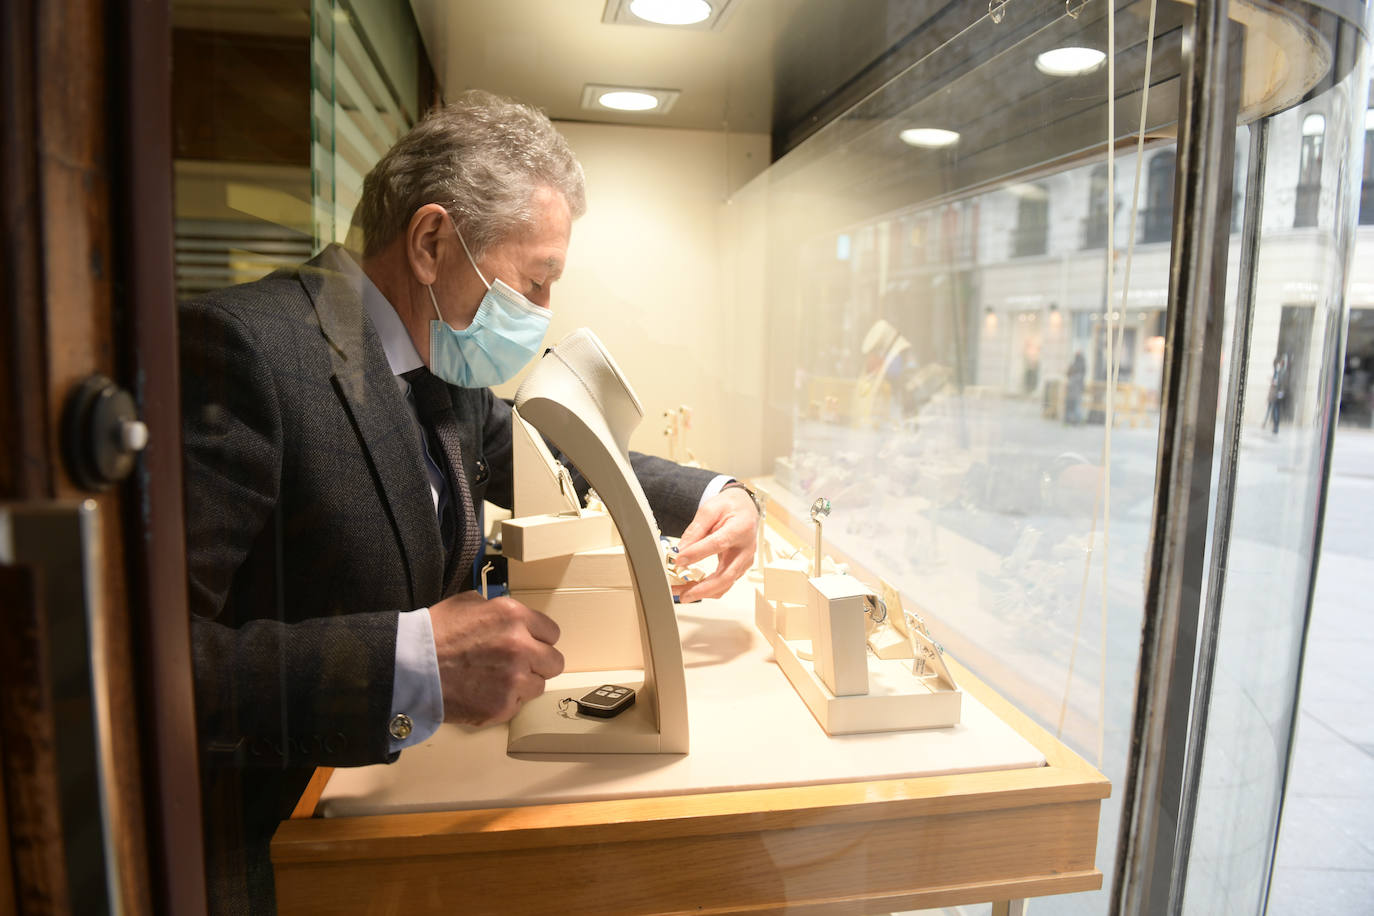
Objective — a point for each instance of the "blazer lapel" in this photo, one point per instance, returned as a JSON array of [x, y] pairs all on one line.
[[363, 379]]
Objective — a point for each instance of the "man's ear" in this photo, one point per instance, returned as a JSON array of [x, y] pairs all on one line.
[[423, 234]]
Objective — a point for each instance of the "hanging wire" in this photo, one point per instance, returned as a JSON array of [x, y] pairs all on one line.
[[1115, 338], [1112, 361], [1125, 295]]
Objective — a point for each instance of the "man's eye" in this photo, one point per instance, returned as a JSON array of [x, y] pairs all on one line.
[[535, 287]]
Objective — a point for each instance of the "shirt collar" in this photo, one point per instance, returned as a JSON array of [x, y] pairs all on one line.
[[400, 350]]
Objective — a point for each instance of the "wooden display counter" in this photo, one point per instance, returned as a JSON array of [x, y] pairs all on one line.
[[765, 814]]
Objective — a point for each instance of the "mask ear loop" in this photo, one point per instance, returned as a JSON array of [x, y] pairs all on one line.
[[467, 251], [471, 261], [435, 302]]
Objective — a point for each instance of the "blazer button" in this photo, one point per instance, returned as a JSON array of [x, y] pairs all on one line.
[[483, 472], [400, 726]]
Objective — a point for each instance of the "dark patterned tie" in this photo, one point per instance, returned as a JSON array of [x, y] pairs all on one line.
[[435, 409]]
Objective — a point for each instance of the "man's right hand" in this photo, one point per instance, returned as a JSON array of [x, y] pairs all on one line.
[[494, 655]]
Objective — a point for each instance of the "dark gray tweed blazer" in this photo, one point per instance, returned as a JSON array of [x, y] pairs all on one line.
[[310, 526]]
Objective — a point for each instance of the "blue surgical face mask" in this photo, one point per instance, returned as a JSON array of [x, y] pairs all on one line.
[[506, 332]]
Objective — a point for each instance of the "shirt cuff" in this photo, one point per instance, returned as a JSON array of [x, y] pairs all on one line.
[[715, 486], [416, 692]]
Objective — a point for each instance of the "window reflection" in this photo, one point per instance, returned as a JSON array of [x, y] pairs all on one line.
[[1158, 209], [241, 104], [1032, 220], [1367, 179], [1309, 187], [1095, 223]]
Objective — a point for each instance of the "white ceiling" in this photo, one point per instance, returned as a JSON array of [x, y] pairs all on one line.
[[544, 51]]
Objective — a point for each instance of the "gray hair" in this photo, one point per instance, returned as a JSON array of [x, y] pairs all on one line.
[[482, 158]]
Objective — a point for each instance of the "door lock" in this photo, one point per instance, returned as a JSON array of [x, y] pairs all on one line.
[[101, 433]]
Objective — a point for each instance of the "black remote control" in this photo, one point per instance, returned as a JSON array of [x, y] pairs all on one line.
[[606, 701]]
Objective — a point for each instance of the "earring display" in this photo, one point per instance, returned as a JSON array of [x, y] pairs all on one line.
[[819, 510], [861, 662]]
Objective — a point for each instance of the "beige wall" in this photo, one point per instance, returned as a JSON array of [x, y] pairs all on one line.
[[649, 271]]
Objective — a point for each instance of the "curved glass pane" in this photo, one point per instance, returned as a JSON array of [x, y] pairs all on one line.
[[1294, 353]]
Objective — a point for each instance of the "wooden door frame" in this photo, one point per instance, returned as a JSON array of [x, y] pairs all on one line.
[[87, 275], [162, 635]]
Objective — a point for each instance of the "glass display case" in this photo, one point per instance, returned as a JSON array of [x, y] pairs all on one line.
[[1053, 319], [969, 326]]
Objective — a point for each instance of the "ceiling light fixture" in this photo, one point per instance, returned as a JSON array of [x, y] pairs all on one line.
[[631, 99], [929, 137], [1069, 61], [1028, 191], [683, 15], [627, 100], [671, 12]]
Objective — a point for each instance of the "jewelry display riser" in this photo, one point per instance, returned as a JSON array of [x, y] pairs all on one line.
[[897, 699]]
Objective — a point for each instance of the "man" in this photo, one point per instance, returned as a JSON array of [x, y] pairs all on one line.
[[338, 433]]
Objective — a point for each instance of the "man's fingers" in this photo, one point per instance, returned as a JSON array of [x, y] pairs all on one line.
[[525, 688], [732, 565], [705, 521], [708, 546], [713, 586], [733, 534], [542, 627], [736, 563], [546, 661], [694, 531]]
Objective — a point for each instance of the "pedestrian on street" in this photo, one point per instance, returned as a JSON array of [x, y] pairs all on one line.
[[1278, 391]]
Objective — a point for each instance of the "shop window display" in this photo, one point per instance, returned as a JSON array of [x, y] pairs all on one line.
[[964, 352]]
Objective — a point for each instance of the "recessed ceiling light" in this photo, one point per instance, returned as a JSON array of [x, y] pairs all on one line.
[[640, 99], [671, 12], [689, 15], [929, 137], [627, 100], [1069, 61]]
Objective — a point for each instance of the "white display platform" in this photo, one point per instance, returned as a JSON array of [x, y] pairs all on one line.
[[749, 729]]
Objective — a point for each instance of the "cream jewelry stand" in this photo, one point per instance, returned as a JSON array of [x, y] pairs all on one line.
[[577, 397], [854, 677]]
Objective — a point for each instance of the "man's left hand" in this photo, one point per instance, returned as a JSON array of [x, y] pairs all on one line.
[[724, 527]]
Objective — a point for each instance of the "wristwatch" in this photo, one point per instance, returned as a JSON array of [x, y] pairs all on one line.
[[758, 503]]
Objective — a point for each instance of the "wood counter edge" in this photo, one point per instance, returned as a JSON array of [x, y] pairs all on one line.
[[947, 896], [1066, 779]]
